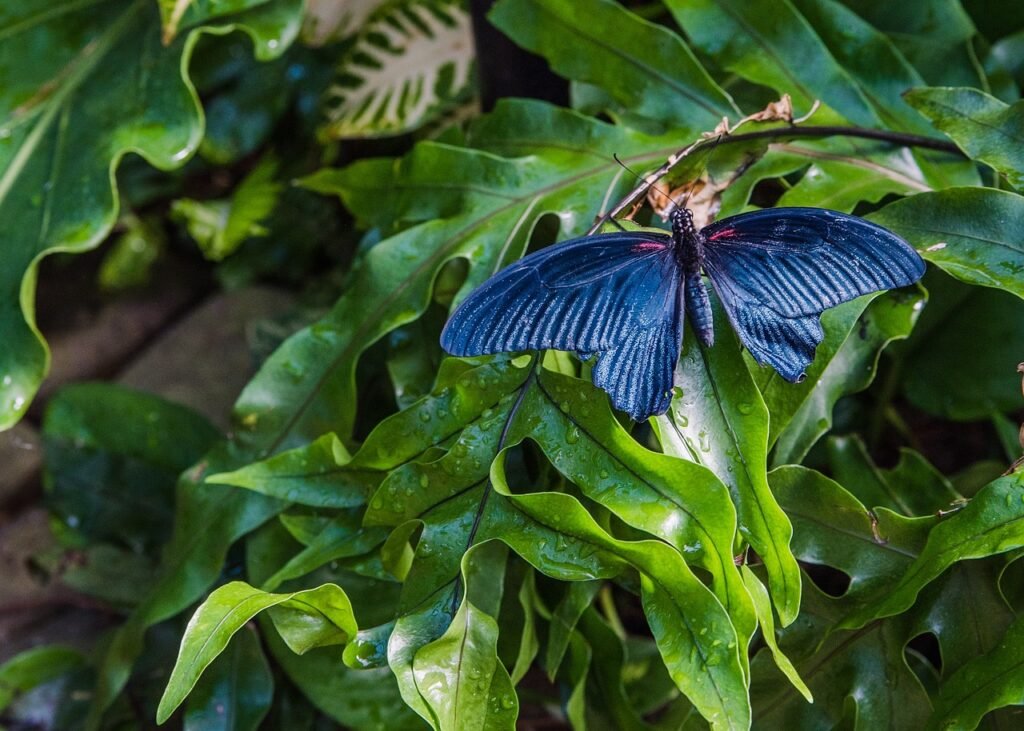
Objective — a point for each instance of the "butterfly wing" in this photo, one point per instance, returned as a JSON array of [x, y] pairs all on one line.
[[776, 270], [615, 295]]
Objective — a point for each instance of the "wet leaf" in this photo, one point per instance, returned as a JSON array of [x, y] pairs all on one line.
[[306, 619]]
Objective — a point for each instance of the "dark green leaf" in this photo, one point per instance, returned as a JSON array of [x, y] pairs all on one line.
[[235, 692], [113, 456], [964, 367], [992, 523], [770, 43], [642, 66], [972, 233], [989, 681]]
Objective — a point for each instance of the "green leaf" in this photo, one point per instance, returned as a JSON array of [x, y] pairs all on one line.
[[573, 425], [643, 67], [842, 184], [236, 691], [313, 475], [578, 596], [833, 528], [221, 226], [342, 537], [972, 233], [889, 317], [966, 611], [460, 678], [992, 523], [770, 43], [694, 635], [409, 62], [87, 83], [859, 679], [366, 699], [987, 682], [32, 668], [718, 419], [762, 603], [306, 619], [983, 127], [934, 35], [878, 68]]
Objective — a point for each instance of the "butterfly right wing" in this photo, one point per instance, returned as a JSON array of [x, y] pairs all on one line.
[[777, 269], [617, 295]]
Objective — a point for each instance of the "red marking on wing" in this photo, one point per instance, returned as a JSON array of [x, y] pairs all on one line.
[[648, 246], [725, 232]]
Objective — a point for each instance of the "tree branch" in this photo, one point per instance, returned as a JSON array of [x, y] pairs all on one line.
[[791, 132]]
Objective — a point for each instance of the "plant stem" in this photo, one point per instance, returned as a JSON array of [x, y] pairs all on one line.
[[794, 132]]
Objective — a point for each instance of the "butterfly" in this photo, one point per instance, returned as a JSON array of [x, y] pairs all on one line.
[[623, 296]]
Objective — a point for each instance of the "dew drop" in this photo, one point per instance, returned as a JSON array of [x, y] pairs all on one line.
[[424, 416], [424, 481], [746, 407], [604, 474], [564, 406], [573, 435]]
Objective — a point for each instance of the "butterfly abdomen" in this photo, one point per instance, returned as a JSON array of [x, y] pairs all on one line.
[[698, 308]]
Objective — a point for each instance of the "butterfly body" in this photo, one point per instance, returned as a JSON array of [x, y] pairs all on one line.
[[624, 296]]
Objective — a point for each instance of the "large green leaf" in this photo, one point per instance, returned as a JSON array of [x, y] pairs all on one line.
[[964, 366], [718, 419], [972, 233], [984, 127], [86, 84], [102, 443], [643, 67]]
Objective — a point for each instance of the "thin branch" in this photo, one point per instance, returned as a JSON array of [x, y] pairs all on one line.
[[897, 138]]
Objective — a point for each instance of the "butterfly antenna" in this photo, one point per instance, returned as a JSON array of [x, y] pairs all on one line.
[[638, 176]]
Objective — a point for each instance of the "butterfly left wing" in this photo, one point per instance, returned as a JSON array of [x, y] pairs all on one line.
[[616, 295], [777, 269]]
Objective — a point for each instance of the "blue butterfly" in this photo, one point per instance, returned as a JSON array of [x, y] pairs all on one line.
[[622, 296]]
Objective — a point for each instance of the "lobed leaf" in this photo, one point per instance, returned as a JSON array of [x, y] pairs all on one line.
[[992, 523], [305, 619]]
